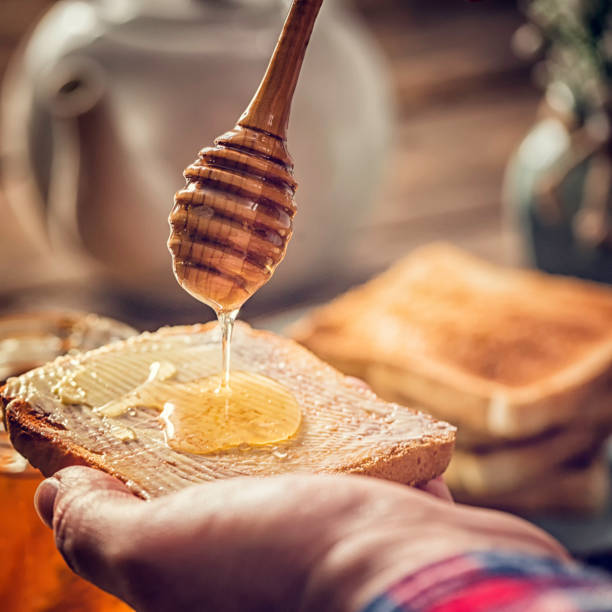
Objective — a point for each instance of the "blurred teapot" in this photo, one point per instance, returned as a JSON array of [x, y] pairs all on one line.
[[109, 99]]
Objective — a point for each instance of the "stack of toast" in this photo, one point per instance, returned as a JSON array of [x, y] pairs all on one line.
[[520, 361]]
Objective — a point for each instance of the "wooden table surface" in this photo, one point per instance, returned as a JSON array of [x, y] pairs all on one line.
[[464, 102]]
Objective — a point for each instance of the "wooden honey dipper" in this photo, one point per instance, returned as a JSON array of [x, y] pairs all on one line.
[[231, 223]]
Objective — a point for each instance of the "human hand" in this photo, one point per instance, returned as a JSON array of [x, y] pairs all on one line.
[[295, 542]]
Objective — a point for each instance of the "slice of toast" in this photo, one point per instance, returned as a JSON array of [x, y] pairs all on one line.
[[581, 489], [510, 467], [504, 352], [344, 428]]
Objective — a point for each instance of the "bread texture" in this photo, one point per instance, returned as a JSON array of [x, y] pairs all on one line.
[[345, 427], [504, 352]]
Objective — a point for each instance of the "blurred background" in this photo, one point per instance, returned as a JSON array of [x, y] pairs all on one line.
[[404, 120], [486, 124]]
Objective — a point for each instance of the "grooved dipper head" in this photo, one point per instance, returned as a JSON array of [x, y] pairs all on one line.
[[231, 223]]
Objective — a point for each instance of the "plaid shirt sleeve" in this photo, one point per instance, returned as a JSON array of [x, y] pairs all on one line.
[[498, 582]]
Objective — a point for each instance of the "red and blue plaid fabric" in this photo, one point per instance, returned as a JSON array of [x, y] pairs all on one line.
[[498, 582]]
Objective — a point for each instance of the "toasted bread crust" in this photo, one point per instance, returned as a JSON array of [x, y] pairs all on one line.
[[37, 440], [424, 461]]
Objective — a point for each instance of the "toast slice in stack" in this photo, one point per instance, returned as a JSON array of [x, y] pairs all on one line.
[[578, 487], [344, 426], [511, 467], [520, 361], [498, 350]]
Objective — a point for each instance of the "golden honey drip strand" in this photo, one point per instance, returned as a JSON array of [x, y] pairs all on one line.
[[226, 321]]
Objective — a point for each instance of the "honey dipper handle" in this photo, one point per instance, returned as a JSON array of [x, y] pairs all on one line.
[[270, 107]]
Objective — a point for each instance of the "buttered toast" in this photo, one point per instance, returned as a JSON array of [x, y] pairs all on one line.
[[503, 352], [53, 415]]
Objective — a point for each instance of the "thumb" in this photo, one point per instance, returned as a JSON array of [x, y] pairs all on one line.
[[92, 515]]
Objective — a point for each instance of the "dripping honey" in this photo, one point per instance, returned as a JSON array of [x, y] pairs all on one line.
[[226, 322], [229, 410]]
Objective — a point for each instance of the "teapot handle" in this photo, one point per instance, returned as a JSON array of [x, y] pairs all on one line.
[[74, 95]]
